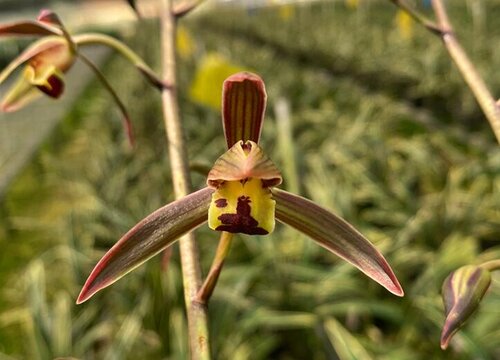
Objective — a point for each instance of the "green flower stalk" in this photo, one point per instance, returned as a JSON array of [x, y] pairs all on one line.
[[241, 197]]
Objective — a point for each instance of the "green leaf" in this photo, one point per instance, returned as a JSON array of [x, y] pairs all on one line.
[[346, 345], [336, 235], [462, 292], [243, 106], [148, 238]]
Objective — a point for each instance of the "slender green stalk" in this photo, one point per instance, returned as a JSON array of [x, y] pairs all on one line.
[[196, 312], [491, 265], [122, 49], [417, 16], [125, 116], [208, 286]]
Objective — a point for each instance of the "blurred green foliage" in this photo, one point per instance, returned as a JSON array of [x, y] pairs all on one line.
[[385, 134]]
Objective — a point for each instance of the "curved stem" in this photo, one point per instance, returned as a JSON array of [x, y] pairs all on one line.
[[125, 116], [196, 312], [491, 265], [208, 286], [122, 49]]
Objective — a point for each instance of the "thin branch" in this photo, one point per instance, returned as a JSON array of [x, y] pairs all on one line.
[[186, 7], [196, 312], [220, 255], [467, 69], [488, 104], [491, 265], [125, 116], [418, 16]]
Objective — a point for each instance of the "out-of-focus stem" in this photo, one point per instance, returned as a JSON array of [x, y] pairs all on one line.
[[208, 286], [488, 104], [122, 49], [185, 7], [491, 265], [467, 69], [196, 312]]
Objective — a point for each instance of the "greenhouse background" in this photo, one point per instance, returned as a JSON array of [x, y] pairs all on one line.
[[367, 116]]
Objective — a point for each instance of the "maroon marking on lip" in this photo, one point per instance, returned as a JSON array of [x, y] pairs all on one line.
[[242, 221], [55, 87], [221, 203]]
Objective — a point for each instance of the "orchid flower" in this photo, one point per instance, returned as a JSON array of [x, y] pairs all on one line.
[[241, 196], [49, 58], [46, 60]]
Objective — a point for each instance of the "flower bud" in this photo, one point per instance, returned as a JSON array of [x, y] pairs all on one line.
[[462, 292]]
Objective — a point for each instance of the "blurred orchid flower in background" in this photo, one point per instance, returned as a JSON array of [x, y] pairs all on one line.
[[49, 58], [241, 197], [45, 61]]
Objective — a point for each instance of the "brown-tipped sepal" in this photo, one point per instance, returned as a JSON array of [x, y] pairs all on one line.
[[242, 161], [243, 106], [462, 292], [148, 238], [336, 235]]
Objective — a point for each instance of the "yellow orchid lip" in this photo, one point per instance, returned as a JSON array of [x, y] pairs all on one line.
[[244, 206]]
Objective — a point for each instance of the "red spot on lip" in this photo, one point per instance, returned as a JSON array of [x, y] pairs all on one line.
[[55, 87], [242, 221], [221, 203]]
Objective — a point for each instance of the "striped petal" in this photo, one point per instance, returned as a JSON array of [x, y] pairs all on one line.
[[243, 106], [148, 238], [29, 28], [336, 235], [241, 162], [462, 292]]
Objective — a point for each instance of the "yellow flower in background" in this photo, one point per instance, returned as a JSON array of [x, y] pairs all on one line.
[[212, 70], [352, 4], [404, 23], [286, 12], [186, 45]]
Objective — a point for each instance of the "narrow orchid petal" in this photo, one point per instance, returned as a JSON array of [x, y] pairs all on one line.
[[336, 235], [51, 45], [29, 28], [148, 238], [462, 292], [243, 106], [243, 161]]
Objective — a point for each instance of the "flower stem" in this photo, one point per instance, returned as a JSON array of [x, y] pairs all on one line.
[[196, 312], [122, 49], [443, 29], [208, 286], [491, 265], [467, 69]]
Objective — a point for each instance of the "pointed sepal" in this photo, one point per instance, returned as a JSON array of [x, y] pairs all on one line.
[[462, 292], [242, 161], [148, 238], [336, 235], [243, 106], [30, 28]]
